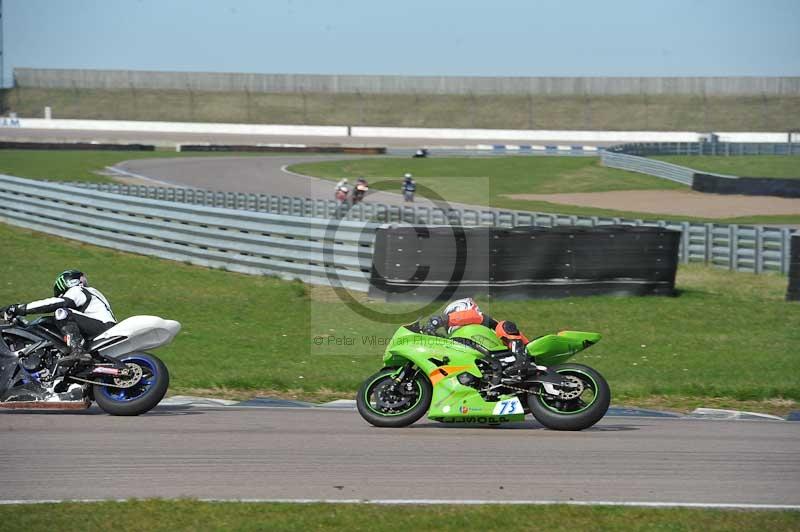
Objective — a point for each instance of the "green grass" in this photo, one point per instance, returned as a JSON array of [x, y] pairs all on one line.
[[83, 165], [612, 113], [157, 515], [742, 166], [488, 181], [728, 335]]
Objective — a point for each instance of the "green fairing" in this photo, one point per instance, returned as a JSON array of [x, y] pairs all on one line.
[[483, 335], [554, 349], [456, 403]]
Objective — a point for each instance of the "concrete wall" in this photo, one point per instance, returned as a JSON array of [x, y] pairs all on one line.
[[291, 83]]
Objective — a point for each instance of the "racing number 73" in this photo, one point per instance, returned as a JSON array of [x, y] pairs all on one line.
[[507, 407]]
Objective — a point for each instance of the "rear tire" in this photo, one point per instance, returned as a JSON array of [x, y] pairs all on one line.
[[574, 414], [139, 398], [383, 408]]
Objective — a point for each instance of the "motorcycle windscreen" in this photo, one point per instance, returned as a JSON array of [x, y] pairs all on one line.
[[137, 333]]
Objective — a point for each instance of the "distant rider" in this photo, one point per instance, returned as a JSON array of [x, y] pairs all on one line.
[[466, 312], [341, 190], [80, 310], [360, 189], [409, 187]]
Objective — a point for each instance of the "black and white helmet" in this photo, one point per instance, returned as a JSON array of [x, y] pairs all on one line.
[[67, 279]]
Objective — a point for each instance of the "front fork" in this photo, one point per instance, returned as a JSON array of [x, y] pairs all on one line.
[[403, 379]]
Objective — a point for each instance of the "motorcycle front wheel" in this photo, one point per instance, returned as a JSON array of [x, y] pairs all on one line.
[[142, 396], [384, 403], [575, 409]]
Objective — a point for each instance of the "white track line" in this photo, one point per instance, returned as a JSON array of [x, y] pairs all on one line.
[[119, 171], [466, 502]]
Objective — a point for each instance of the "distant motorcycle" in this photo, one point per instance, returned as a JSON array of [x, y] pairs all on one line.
[[121, 378], [359, 192], [341, 194]]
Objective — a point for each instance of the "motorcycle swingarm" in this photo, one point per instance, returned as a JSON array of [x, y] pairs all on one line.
[[549, 380]]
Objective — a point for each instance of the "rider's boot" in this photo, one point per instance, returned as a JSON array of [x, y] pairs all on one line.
[[74, 340], [517, 373]]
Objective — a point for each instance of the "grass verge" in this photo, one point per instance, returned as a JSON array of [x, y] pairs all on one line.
[[729, 337], [165, 515], [639, 112], [84, 165]]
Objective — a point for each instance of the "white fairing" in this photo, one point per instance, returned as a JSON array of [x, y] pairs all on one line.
[[137, 333]]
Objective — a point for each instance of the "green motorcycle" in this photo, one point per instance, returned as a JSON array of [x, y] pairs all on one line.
[[461, 378]]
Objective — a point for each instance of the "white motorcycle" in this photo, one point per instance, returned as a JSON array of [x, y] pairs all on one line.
[[121, 378]]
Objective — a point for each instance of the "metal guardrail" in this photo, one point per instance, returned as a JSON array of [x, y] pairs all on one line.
[[634, 163], [736, 247], [709, 148], [306, 248], [632, 157]]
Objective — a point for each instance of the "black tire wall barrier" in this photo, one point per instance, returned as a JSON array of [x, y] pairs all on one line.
[[751, 186], [793, 291], [74, 146], [297, 149], [415, 263]]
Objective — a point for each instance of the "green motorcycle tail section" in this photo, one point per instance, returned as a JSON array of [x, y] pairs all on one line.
[[554, 349]]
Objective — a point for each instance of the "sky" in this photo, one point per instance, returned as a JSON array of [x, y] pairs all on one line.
[[408, 37]]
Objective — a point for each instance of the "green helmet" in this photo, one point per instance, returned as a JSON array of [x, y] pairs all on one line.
[[67, 279]]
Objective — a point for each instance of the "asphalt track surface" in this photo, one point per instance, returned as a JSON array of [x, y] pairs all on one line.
[[283, 453], [255, 175]]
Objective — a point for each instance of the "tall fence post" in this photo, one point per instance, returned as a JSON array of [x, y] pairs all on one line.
[[733, 247], [758, 257], [685, 242], [708, 242], [786, 245]]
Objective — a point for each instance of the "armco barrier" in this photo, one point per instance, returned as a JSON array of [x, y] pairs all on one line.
[[430, 263], [749, 248], [289, 247], [634, 163], [750, 186], [645, 149], [793, 291]]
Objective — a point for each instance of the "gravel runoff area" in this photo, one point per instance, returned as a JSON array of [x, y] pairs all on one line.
[[673, 202]]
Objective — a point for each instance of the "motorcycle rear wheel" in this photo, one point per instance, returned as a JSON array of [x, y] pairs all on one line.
[[382, 407], [139, 398], [575, 413]]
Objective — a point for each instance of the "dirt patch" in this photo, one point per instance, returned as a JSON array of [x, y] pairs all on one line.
[[673, 202]]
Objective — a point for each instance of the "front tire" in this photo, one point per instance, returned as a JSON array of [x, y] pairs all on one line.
[[382, 406], [573, 413], [141, 397]]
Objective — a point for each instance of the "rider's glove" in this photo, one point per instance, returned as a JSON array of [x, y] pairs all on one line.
[[434, 323], [10, 311]]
